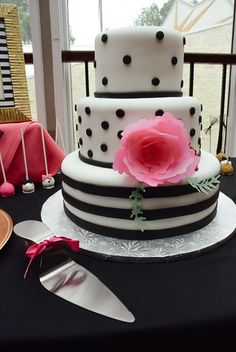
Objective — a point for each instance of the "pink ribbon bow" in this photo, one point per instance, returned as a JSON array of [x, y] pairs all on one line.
[[46, 177], [37, 248]]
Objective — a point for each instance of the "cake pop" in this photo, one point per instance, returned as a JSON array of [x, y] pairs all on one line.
[[48, 181], [6, 189], [27, 186]]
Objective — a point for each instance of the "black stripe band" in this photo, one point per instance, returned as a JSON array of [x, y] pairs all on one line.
[[6, 84], [10, 91], [153, 214], [137, 234], [7, 99], [122, 95], [125, 192], [95, 162]]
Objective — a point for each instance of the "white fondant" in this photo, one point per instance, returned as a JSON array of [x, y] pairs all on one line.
[[28, 187], [150, 58], [102, 109], [133, 225], [73, 167], [147, 204], [48, 182]]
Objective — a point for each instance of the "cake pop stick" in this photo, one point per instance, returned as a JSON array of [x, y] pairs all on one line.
[[6, 189], [47, 180], [28, 186], [58, 127]]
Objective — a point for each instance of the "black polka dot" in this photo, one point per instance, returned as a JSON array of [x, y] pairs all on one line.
[[201, 107], [182, 83], [174, 60], [87, 110], [155, 81], [201, 127], [184, 40], [119, 134], [200, 119], [159, 35], [120, 113], [76, 127], [79, 119], [159, 112], [90, 153], [127, 59], [81, 141], [104, 81], [105, 125], [75, 107], [103, 147], [192, 111], [78, 145], [104, 38], [199, 141], [95, 64], [89, 132], [192, 132]]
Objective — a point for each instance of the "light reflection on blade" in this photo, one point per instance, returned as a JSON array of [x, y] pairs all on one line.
[[77, 285]]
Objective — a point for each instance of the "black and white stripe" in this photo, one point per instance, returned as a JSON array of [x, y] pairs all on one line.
[[8, 100], [106, 210]]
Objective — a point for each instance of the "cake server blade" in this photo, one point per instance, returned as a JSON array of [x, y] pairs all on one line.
[[71, 281], [74, 283]]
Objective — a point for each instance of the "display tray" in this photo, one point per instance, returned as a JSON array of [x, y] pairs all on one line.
[[6, 226], [220, 229]]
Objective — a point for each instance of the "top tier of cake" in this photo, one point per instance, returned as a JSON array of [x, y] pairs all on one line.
[[139, 62]]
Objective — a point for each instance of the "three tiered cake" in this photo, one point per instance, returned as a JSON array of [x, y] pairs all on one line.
[[140, 172]]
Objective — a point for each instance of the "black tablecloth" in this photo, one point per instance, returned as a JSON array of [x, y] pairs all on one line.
[[186, 300]]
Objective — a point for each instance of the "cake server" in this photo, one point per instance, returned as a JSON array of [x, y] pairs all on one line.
[[69, 280]]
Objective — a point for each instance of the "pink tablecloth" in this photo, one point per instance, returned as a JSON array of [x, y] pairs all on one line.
[[11, 150]]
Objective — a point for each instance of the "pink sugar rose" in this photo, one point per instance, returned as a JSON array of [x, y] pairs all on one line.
[[156, 151]]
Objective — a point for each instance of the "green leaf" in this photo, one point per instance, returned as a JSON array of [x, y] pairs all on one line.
[[136, 206], [207, 184]]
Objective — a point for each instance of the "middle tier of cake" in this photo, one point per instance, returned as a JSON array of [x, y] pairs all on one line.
[[102, 121]]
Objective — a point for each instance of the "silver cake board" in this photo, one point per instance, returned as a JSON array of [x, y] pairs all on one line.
[[191, 244]]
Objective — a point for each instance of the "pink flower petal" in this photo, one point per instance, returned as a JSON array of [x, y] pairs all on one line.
[[156, 151]]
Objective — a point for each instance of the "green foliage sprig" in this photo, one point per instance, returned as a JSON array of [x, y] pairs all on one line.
[[206, 185], [136, 206]]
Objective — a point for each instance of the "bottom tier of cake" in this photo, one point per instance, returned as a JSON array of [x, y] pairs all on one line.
[[97, 199]]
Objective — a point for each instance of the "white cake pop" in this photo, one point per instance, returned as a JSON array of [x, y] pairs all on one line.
[[27, 186], [47, 180]]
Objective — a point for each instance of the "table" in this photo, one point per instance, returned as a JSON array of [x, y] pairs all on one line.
[[186, 301]]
